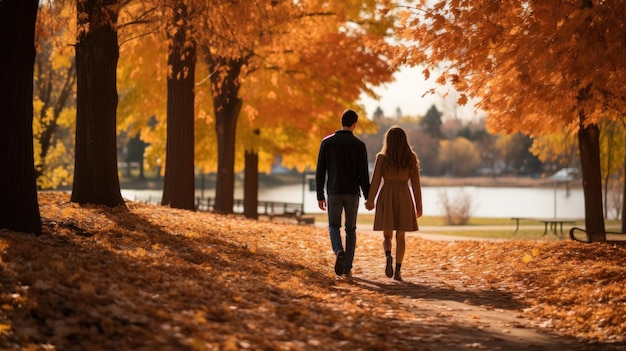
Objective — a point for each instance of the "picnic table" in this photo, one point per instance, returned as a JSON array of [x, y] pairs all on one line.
[[552, 222]]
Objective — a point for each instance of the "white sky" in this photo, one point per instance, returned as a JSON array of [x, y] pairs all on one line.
[[406, 92]]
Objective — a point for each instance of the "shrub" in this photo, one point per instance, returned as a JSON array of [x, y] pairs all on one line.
[[457, 210]]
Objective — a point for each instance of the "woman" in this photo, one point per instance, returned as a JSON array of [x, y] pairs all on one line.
[[397, 204]]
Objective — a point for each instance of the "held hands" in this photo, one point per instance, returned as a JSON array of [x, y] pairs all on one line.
[[369, 204]]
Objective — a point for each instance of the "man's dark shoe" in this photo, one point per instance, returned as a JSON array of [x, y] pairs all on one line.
[[341, 255], [347, 273], [389, 267]]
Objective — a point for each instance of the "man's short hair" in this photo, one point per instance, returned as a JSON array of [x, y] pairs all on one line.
[[348, 118]]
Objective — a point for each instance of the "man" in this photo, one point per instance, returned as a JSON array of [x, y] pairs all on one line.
[[343, 158]]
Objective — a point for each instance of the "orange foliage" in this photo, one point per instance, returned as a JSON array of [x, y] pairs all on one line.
[[150, 277], [305, 62], [533, 65]]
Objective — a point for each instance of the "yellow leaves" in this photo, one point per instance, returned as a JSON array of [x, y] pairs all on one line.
[[5, 328], [139, 252], [528, 257], [68, 212], [230, 344]]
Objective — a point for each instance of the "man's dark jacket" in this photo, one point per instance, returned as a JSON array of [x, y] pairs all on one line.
[[344, 158]]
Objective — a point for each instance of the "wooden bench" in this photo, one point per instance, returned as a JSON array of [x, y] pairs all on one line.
[[297, 215], [271, 209], [551, 222]]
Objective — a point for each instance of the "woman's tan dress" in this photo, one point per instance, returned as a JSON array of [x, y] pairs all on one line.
[[396, 202]]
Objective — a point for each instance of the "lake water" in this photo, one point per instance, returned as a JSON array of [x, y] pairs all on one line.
[[485, 201]]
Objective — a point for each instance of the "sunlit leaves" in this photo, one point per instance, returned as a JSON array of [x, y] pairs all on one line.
[[304, 62], [526, 62], [54, 96]]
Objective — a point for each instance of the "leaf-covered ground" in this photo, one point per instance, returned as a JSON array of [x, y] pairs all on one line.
[[152, 278]]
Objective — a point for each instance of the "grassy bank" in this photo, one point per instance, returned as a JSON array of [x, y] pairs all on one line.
[[482, 227]]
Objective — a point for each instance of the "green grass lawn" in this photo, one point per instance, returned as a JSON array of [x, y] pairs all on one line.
[[528, 229]]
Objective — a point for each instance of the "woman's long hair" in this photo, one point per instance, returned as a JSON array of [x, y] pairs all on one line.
[[399, 153]]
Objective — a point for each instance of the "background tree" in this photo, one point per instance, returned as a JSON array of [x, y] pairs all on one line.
[[285, 68], [142, 82], [95, 177], [612, 150], [226, 107], [514, 150], [431, 123], [557, 150], [427, 149], [533, 66], [378, 114], [485, 145], [277, 46], [55, 97], [178, 184], [450, 128], [452, 151], [19, 209]]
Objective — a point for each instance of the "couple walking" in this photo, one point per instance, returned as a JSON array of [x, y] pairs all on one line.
[[342, 167]]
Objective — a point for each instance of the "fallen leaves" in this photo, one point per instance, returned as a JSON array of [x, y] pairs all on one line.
[[157, 278]]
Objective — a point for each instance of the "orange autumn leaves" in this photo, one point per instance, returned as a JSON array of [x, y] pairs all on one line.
[[160, 278], [532, 65]]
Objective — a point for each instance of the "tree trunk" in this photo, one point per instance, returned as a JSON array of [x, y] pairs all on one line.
[[178, 183], [227, 105], [95, 169], [624, 197], [589, 144], [251, 185], [609, 133], [19, 207]]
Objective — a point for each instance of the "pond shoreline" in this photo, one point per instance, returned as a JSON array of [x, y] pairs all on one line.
[[503, 181], [273, 180]]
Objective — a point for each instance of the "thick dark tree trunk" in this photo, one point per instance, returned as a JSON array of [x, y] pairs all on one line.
[[589, 144], [227, 106], [178, 183], [95, 168], [19, 208], [251, 185]]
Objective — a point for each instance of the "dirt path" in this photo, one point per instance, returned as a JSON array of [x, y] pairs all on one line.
[[454, 314], [455, 319]]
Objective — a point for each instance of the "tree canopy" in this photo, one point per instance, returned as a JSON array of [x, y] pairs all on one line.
[[532, 65], [302, 64]]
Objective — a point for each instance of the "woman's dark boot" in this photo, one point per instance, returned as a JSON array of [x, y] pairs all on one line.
[[397, 275]]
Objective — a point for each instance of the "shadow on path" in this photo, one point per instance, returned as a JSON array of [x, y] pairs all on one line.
[[466, 320]]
